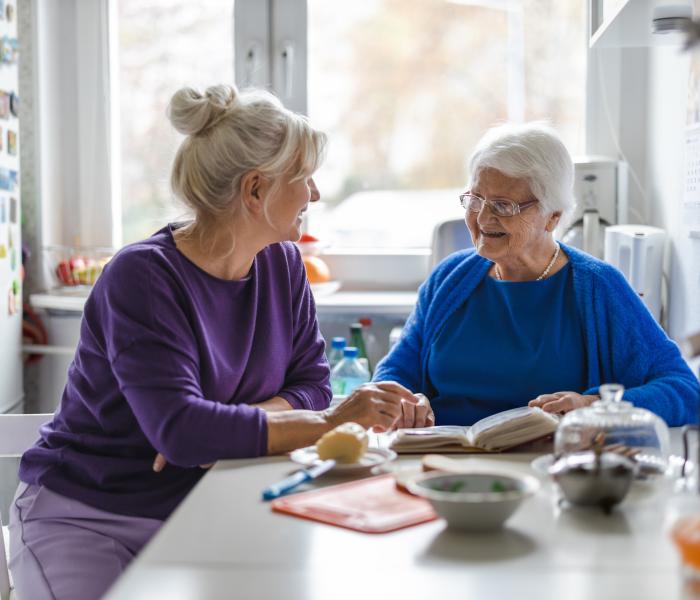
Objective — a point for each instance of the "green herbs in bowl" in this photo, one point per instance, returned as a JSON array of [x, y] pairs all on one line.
[[479, 501]]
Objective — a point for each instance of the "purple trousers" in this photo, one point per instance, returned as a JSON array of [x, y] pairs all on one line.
[[63, 549]]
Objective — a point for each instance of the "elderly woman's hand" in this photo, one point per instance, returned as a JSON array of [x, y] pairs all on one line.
[[378, 405], [419, 414], [562, 402]]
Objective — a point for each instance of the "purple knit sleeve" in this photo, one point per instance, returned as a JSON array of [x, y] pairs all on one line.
[[154, 357], [307, 382]]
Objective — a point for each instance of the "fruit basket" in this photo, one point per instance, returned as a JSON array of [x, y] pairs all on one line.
[[73, 266]]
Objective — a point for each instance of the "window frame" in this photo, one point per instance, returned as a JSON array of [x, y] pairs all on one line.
[[89, 77]]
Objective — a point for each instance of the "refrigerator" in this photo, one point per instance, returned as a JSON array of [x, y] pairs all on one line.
[[11, 384]]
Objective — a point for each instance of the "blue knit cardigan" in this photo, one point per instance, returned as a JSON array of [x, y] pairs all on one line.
[[623, 342]]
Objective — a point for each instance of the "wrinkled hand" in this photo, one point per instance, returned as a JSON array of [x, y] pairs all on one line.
[[375, 405], [419, 414], [562, 402], [160, 462]]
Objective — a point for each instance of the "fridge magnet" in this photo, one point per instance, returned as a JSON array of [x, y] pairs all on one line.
[[1, 144], [3, 251], [11, 305], [9, 50], [8, 179], [14, 104], [14, 210], [4, 105], [2, 10], [3, 211], [11, 143], [10, 12], [13, 259]]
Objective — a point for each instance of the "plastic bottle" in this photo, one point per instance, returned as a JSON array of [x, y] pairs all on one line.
[[395, 336], [358, 341], [336, 353], [348, 373], [374, 352]]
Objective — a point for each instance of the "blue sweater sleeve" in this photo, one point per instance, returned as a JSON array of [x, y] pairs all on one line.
[[404, 363], [644, 358]]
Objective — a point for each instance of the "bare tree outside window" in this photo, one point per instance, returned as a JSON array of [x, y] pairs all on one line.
[[405, 88]]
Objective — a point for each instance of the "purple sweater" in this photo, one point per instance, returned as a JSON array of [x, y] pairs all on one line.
[[170, 360]]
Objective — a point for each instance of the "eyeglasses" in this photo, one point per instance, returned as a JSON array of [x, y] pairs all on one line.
[[501, 207]]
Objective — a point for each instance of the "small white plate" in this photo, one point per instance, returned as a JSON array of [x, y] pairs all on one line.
[[326, 288], [374, 457], [542, 463]]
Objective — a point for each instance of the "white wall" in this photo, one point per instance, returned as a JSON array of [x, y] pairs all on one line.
[[636, 111], [667, 101]]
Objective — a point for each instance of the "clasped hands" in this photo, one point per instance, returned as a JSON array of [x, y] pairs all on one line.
[[382, 406], [387, 405]]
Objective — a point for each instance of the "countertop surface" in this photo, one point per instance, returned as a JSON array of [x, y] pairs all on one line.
[[224, 542]]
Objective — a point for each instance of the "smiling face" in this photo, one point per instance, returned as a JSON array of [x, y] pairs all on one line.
[[518, 239], [288, 204]]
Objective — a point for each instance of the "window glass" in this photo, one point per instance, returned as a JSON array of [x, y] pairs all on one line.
[[163, 45], [405, 88]]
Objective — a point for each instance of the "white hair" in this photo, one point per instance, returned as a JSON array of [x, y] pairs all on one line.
[[531, 151], [230, 133]]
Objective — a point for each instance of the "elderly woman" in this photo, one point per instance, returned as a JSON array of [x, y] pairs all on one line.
[[199, 343], [523, 319]]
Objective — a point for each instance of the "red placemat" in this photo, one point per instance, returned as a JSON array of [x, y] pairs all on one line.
[[372, 505]]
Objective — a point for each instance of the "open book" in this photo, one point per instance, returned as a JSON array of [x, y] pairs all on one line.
[[492, 434]]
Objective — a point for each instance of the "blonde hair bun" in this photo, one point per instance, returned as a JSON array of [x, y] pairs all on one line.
[[191, 112]]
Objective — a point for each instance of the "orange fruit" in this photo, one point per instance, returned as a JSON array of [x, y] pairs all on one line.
[[316, 270]]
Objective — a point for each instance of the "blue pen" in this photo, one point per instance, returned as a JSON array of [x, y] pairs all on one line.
[[287, 485]]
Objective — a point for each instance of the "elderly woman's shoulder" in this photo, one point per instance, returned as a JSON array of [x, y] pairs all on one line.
[[459, 259], [593, 267]]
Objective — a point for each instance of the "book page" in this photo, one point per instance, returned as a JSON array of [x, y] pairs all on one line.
[[431, 437], [512, 428]]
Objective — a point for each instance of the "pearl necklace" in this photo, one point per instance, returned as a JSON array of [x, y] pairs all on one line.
[[546, 271]]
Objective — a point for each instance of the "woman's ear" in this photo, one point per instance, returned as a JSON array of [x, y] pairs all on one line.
[[553, 221], [252, 192]]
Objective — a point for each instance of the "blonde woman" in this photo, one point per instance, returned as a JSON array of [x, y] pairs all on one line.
[[199, 343]]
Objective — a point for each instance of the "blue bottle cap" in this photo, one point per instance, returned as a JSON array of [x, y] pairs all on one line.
[[350, 352], [338, 342]]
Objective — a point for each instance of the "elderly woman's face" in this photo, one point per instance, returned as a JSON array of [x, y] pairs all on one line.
[[498, 238]]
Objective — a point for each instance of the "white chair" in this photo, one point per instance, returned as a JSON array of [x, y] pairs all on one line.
[[448, 237], [17, 433]]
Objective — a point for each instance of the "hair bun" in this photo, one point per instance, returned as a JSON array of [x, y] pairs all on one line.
[[191, 112]]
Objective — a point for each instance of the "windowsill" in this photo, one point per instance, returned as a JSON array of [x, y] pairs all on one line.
[[394, 303]]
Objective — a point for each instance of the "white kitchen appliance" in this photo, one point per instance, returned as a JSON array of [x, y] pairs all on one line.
[[638, 251], [11, 394], [600, 190]]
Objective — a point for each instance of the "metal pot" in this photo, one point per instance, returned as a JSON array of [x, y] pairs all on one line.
[[594, 478]]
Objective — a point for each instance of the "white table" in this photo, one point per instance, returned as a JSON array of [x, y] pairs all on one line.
[[224, 542]]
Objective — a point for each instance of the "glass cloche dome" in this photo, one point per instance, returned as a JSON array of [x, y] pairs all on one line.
[[614, 425]]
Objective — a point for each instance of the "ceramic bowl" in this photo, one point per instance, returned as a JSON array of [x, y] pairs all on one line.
[[479, 501]]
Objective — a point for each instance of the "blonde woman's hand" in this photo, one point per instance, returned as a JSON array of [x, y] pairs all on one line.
[[419, 414], [376, 405], [562, 402], [159, 463]]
